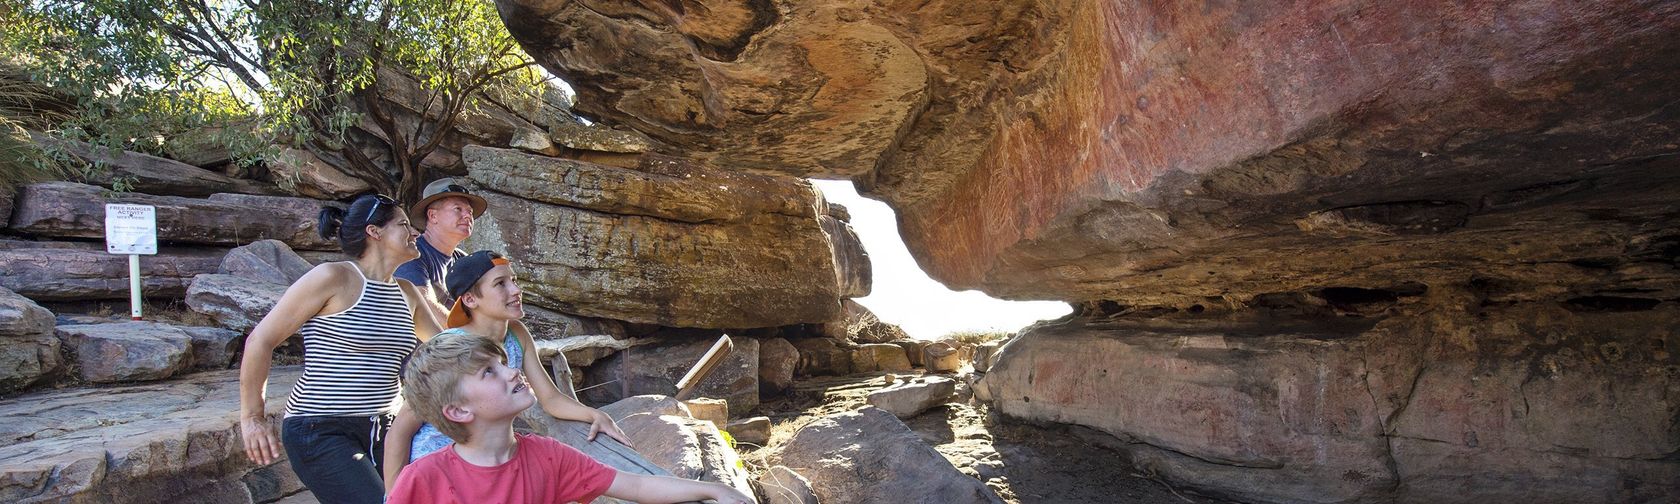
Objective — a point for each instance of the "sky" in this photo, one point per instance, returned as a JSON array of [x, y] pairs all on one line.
[[905, 296]]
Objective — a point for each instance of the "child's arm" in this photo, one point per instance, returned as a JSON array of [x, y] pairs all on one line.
[[555, 403], [397, 443], [649, 489]]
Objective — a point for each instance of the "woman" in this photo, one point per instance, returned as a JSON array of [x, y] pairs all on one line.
[[358, 326], [488, 305]]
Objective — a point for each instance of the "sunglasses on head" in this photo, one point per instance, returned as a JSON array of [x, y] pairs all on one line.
[[378, 199]]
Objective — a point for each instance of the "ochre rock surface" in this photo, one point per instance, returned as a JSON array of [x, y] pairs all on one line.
[[1167, 152], [1518, 402], [669, 243]]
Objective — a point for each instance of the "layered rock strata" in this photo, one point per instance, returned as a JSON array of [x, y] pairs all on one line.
[[71, 210], [669, 243], [1416, 403], [54, 271], [144, 443]]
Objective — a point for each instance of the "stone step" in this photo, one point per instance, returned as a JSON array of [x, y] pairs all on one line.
[[154, 442]]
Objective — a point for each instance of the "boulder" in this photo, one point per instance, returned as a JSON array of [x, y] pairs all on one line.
[[654, 368], [781, 485], [915, 350], [20, 316], [715, 411], [128, 351], [879, 357], [871, 456], [533, 141], [652, 404], [1443, 407], [755, 430], [269, 261], [60, 271], [910, 398], [545, 323], [150, 174], [27, 359], [983, 354], [235, 302], [857, 323], [670, 243], [943, 358], [822, 357], [851, 261], [301, 172], [688, 448], [156, 442], [777, 360], [580, 351], [71, 210], [214, 347]]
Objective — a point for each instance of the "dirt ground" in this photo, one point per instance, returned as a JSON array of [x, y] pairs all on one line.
[[1024, 464]]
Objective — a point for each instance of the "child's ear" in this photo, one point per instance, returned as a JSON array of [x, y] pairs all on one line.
[[470, 300], [457, 414]]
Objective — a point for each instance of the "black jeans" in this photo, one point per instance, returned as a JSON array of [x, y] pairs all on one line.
[[338, 458]]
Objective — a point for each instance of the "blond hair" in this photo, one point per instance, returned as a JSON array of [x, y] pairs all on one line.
[[432, 378]]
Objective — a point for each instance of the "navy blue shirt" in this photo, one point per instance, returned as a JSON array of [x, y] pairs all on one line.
[[429, 270]]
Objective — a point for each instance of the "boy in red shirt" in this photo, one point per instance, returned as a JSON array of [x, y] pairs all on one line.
[[461, 384]]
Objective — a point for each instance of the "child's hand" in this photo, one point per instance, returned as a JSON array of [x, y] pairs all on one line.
[[600, 423], [729, 495]]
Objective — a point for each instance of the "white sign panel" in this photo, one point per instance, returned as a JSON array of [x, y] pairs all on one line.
[[130, 229]]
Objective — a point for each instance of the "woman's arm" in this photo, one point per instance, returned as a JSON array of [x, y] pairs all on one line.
[[649, 489], [304, 299], [554, 402], [398, 440], [427, 322]]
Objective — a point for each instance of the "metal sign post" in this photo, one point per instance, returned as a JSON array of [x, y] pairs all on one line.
[[131, 230]]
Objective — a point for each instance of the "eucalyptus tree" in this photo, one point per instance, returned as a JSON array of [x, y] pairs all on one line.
[[304, 72]]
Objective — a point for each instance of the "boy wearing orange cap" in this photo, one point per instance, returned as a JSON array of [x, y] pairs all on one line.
[[487, 305]]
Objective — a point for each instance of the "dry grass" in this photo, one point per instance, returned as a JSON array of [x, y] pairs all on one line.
[[976, 337]]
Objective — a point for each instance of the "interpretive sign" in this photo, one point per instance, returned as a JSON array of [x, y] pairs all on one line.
[[130, 229]]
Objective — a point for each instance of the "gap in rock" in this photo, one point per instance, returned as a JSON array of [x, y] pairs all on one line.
[[904, 295]]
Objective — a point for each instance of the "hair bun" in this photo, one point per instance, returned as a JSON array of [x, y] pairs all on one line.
[[331, 219]]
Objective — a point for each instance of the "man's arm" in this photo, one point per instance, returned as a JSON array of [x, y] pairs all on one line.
[[649, 489]]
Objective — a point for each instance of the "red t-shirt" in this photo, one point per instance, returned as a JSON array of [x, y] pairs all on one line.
[[542, 471]]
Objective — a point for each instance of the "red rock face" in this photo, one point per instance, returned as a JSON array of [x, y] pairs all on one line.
[[1062, 149], [1303, 167]]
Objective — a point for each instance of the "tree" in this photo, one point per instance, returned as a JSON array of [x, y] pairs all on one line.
[[310, 71]]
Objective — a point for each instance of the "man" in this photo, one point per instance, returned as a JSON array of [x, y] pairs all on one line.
[[445, 216]]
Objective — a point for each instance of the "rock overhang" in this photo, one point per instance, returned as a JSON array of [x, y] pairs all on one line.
[[1172, 154]]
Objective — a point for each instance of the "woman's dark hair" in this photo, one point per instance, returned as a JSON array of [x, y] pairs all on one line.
[[347, 225]]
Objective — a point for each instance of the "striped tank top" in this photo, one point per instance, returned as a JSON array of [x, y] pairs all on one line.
[[351, 359]]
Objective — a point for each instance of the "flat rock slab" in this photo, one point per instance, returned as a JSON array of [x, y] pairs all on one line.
[[71, 210], [911, 398], [871, 456], [128, 351], [141, 443], [53, 271]]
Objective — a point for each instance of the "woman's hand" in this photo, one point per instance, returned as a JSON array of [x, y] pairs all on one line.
[[262, 446], [600, 423]]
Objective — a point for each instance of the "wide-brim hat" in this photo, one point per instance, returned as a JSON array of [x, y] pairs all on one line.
[[462, 276], [439, 189]]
